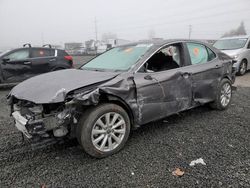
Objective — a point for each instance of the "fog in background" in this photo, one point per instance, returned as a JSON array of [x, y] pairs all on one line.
[[59, 21]]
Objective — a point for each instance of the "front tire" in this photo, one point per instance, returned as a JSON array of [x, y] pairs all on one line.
[[223, 96], [103, 130], [242, 68]]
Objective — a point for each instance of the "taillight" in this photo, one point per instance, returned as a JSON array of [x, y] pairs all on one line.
[[68, 57]]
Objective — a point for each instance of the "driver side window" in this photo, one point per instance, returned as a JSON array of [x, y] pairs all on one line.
[[18, 55], [167, 58]]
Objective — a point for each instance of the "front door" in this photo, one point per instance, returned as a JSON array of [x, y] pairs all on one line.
[[163, 93], [16, 65], [163, 88]]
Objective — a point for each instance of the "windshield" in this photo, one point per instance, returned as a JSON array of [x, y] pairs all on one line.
[[230, 44], [3, 53], [118, 59]]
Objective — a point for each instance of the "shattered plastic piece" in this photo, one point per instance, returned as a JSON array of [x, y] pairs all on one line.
[[89, 98], [178, 172], [197, 161]]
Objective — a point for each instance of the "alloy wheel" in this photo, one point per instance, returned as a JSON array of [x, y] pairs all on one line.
[[226, 94], [108, 132], [243, 68]]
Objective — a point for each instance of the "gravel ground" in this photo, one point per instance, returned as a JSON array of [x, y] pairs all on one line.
[[243, 81], [153, 152]]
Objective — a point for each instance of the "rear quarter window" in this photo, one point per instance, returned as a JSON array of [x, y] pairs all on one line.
[[62, 53]]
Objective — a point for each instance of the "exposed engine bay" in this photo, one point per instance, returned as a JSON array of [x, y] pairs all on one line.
[[44, 120]]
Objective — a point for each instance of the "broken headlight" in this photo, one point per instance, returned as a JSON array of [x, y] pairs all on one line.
[[38, 109]]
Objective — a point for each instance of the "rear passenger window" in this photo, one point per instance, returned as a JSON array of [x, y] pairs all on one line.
[[42, 52], [198, 53]]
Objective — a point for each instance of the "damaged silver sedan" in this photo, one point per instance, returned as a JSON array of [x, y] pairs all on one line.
[[120, 90]]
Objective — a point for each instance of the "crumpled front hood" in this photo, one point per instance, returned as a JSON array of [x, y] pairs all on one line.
[[54, 86]]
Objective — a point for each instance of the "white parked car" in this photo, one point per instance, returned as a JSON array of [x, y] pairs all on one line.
[[238, 48]]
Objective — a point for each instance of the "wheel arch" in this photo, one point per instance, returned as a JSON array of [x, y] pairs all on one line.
[[245, 59], [58, 68], [226, 76], [104, 97]]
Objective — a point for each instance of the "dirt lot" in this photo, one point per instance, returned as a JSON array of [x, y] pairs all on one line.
[[153, 151], [80, 60]]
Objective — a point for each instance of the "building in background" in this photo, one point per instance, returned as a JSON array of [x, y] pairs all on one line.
[[117, 42], [92, 47], [75, 48]]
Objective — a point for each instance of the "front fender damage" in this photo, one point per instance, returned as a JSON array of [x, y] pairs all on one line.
[[119, 89]]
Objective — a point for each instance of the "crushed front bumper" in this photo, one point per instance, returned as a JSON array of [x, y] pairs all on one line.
[[43, 126], [20, 123]]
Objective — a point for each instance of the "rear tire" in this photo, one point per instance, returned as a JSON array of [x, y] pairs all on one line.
[[242, 68], [103, 130], [224, 95]]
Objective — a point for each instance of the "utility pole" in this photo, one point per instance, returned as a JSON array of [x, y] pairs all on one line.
[[96, 35], [96, 29], [42, 37], [190, 31]]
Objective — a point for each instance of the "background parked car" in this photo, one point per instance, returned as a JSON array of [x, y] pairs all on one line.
[[239, 49], [22, 63]]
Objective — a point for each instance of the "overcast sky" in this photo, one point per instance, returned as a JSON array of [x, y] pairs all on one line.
[[60, 21]]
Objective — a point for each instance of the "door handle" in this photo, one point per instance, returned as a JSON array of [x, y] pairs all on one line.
[[51, 60], [148, 77], [27, 63], [185, 74], [217, 66]]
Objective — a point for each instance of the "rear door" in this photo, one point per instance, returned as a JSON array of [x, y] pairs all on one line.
[[206, 70], [41, 59], [17, 65]]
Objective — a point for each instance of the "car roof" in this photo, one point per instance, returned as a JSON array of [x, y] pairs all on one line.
[[32, 48], [163, 42]]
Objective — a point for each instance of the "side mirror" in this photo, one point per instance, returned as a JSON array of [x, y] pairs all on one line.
[[6, 60]]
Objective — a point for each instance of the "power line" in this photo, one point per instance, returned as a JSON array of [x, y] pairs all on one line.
[[177, 9], [183, 20]]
